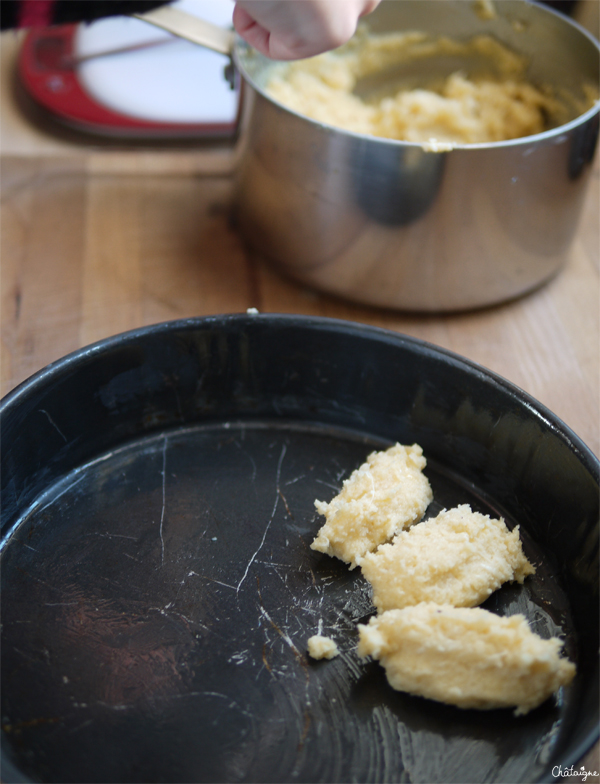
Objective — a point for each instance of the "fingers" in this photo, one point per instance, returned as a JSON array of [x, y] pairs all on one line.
[[256, 35], [294, 29]]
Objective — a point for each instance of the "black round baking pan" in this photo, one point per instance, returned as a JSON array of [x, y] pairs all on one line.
[[158, 587]]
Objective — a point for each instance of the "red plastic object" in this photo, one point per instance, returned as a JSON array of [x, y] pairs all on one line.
[[46, 72]]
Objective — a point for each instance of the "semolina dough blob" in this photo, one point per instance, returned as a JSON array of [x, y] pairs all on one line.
[[320, 647], [492, 103], [459, 557], [386, 494], [467, 657]]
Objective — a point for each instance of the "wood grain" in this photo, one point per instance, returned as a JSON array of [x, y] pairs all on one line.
[[41, 250]]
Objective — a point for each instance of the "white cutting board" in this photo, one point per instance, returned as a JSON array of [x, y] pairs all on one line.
[[176, 81]]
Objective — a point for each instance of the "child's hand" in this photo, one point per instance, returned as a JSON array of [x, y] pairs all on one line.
[[294, 29]]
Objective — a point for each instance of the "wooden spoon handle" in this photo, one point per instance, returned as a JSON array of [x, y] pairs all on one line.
[[190, 27]]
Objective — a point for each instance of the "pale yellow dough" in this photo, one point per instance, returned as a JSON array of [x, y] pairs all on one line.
[[386, 494], [320, 647], [459, 557], [495, 104], [466, 657]]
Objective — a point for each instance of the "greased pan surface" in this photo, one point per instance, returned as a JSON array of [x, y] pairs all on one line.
[[158, 585]]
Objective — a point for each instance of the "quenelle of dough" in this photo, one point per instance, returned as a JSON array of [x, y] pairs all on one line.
[[465, 656], [459, 557], [386, 494]]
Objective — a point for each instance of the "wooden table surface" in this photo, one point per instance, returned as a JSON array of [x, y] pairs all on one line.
[[98, 240]]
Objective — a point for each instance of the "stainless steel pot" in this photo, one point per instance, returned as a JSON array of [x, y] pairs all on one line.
[[385, 223]]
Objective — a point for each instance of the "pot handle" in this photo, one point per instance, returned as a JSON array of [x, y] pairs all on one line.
[[187, 26]]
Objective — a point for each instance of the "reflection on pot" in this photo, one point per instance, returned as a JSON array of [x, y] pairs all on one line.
[[395, 185]]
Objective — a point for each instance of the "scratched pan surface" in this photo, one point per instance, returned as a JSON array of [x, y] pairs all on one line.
[[159, 588]]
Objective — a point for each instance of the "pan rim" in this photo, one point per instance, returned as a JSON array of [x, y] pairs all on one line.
[[100, 347]]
